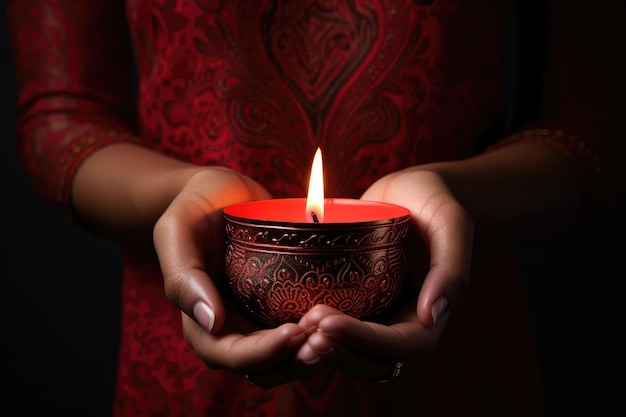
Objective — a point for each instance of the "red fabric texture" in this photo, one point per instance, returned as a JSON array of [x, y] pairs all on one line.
[[257, 86]]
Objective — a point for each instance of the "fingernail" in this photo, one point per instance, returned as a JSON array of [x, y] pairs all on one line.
[[438, 308], [311, 330], [204, 315], [313, 362], [307, 355]]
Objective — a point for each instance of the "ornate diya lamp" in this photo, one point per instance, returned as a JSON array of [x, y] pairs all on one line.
[[284, 256]]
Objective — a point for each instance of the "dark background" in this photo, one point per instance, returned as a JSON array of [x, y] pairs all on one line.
[[60, 303], [59, 293]]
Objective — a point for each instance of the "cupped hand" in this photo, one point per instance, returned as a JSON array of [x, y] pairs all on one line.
[[369, 350], [189, 241], [364, 349], [267, 356], [446, 231]]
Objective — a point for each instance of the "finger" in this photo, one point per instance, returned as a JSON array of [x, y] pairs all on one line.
[[351, 362], [260, 351], [181, 237], [406, 337], [312, 318], [450, 238], [400, 340]]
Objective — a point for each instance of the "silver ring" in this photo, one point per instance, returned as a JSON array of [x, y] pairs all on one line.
[[395, 372], [250, 382]]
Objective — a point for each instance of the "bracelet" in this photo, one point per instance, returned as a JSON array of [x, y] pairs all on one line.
[[569, 145]]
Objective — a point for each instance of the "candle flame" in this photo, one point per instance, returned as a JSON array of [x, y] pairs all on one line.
[[315, 198]]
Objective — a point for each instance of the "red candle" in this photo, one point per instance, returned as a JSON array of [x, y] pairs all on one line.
[[315, 208], [336, 210]]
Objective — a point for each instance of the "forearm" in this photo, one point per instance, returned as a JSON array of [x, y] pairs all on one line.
[[524, 190], [121, 190], [566, 165]]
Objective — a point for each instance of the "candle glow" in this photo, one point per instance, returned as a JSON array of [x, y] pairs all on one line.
[[283, 256], [315, 197]]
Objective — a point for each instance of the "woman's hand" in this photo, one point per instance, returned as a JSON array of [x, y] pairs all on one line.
[[446, 232], [370, 350], [364, 349], [265, 356], [189, 241]]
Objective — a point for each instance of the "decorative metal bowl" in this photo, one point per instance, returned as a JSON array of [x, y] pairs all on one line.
[[278, 270]]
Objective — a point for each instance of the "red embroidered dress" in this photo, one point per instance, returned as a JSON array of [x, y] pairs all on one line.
[[257, 86]]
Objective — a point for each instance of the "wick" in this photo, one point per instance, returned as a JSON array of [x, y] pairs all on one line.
[[314, 216]]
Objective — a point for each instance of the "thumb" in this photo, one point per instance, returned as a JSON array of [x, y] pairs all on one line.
[[181, 247]]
